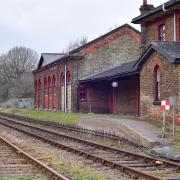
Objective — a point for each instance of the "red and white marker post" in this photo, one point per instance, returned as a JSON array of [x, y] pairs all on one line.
[[165, 106]]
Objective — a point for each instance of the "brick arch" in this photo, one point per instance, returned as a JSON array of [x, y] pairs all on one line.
[[62, 78], [39, 84], [54, 80], [155, 63], [54, 92], [45, 83], [49, 81], [39, 93], [157, 80], [46, 93], [69, 77], [36, 93], [49, 92]]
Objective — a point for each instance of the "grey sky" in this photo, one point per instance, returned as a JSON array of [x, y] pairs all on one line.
[[49, 25]]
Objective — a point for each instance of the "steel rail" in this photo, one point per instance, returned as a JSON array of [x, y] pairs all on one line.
[[92, 157], [48, 171], [73, 128], [112, 149]]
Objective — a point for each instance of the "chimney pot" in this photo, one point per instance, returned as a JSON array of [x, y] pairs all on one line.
[[144, 2]]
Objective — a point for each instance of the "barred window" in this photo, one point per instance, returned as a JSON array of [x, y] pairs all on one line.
[[83, 94]]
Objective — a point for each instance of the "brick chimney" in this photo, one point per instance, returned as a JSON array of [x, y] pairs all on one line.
[[145, 8]]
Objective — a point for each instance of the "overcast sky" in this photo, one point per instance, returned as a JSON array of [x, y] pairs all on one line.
[[49, 25]]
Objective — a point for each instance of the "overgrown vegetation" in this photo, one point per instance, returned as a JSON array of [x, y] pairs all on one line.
[[69, 118]]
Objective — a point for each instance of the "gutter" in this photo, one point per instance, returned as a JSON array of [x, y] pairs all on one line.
[[158, 9], [110, 77]]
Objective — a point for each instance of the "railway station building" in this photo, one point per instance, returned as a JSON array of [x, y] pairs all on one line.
[[121, 72]]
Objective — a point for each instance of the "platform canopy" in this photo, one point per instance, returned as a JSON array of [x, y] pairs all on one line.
[[119, 71]]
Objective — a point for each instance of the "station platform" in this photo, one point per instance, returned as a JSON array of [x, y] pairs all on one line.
[[136, 131]]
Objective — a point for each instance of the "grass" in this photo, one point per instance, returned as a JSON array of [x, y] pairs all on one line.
[[35, 177], [75, 118], [77, 172], [69, 118]]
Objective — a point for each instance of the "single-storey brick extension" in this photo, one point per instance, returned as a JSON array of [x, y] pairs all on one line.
[[122, 72]]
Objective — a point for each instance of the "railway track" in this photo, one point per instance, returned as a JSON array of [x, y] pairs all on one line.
[[75, 130], [15, 163], [134, 164]]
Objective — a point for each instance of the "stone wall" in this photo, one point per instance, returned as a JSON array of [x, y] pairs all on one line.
[[117, 47], [124, 48]]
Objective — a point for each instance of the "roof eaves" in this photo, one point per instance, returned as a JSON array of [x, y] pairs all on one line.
[[50, 64], [127, 73], [146, 54], [170, 58], [167, 5]]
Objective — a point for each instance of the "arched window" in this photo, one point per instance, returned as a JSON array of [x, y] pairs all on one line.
[[157, 83], [39, 84], [45, 83], [68, 77], [36, 85], [54, 80], [162, 32], [62, 79], [179, 28], [49, 81]]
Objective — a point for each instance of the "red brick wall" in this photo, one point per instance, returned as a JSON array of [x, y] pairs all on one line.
[[98, 97], [168, 85]]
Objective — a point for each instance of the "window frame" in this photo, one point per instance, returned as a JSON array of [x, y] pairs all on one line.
[[161, 34], [179, 28], [62, 79], [157, 74], [83, 90]]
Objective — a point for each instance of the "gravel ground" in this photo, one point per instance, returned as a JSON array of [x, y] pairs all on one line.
[[68, 164], [96, 139]]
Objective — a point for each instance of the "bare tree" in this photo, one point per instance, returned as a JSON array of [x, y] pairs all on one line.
[[15, 65], [75, 44]]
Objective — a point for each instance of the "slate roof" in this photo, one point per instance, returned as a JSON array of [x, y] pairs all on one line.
[[48, 58], [124, 69], [171, 50], [156, 10]]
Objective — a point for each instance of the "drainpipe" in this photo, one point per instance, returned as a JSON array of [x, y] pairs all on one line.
[[65, 89], [174, 26], [163, 7]]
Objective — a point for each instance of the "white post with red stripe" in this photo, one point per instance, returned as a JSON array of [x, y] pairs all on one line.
[[165, 106]]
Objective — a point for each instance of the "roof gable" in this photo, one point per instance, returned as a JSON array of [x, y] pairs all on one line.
[[170, 50], [48, 58], [103, 40]]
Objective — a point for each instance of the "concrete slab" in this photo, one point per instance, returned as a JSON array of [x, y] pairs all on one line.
[[166, 152], [137, 131]]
